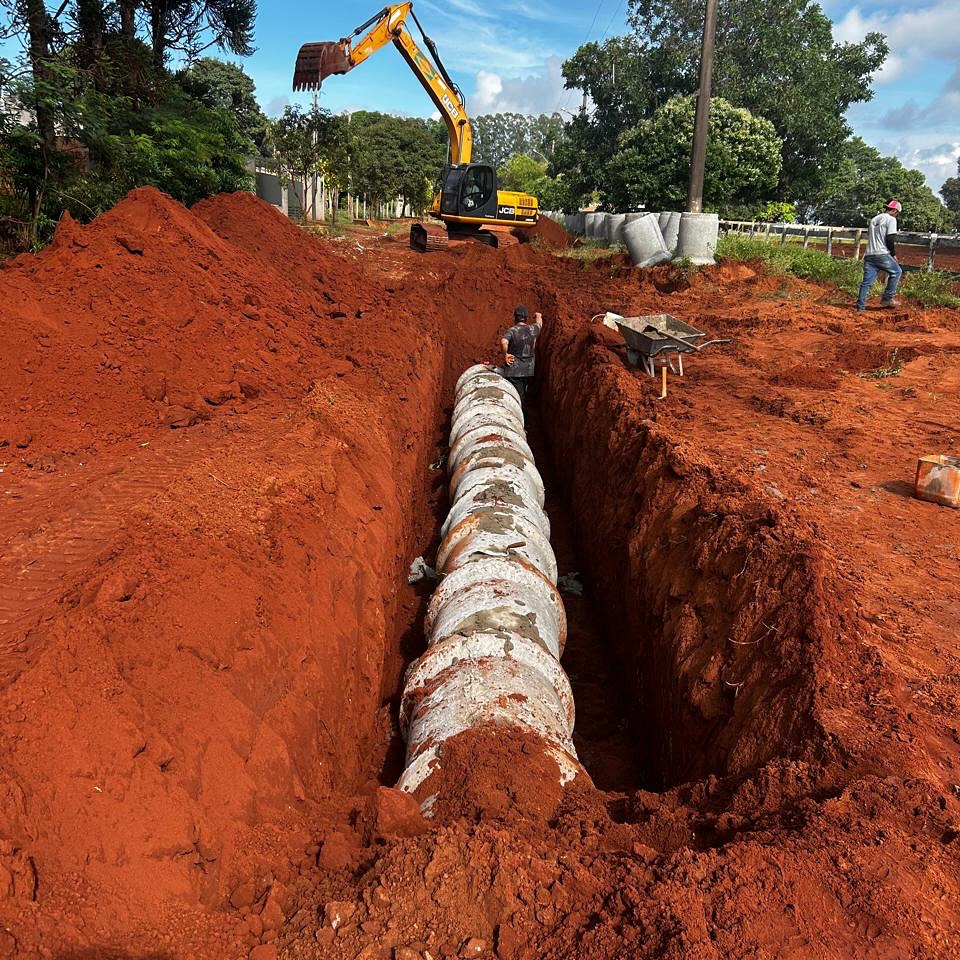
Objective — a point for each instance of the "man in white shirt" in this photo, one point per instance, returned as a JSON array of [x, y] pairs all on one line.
[[882, 255]]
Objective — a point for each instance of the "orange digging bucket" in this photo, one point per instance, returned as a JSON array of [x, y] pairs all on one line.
[[938, 480]]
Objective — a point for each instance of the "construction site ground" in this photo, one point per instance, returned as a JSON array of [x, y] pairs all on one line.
[[222, 446]]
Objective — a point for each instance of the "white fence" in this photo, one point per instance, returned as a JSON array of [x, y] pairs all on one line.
[[924, 245]]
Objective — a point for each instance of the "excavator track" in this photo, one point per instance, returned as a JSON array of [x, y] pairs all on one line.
[[428, 237]]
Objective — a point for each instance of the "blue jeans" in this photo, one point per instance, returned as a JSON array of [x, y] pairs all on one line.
[[872, 265]]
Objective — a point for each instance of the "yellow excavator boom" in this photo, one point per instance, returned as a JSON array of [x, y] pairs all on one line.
[[316, 61]]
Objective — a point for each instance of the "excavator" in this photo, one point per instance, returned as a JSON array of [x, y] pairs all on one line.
[[467, 201]]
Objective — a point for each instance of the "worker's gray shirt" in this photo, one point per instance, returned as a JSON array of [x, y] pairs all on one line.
[[521, 342], [881, 227]]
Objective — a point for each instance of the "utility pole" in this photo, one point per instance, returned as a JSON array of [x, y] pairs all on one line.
[[700, 126]]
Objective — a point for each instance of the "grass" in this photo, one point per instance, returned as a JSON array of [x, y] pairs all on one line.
[[935, 289], [587, 249]]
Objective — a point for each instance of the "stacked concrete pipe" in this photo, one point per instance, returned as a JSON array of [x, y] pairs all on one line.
[[644, 242], [495, 626]]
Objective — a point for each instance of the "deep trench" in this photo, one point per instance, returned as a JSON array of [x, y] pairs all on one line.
[[605, 733]]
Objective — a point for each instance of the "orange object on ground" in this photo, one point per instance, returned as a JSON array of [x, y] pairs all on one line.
[[938, 480]]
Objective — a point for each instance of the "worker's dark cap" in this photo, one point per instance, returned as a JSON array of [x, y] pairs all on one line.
[[520, 313]]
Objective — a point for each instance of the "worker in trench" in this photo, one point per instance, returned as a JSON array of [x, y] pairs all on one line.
[[881, 255], [519, 350]]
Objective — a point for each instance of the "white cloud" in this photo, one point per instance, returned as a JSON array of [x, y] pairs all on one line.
[[540, 91], [936, 161], [914, 35]]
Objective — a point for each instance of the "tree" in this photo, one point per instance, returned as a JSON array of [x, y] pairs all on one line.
[[308, 142], [396, 157], [651, 166], [499, 136], [866, 180], [190, 27], [529, 175], [779, 60], [950, 191], [90, 112], [221, 85], [776, 59]]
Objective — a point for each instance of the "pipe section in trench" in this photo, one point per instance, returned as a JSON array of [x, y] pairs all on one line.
[[495, 626]]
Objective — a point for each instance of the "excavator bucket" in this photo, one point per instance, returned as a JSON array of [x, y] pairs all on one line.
[[316, 62]]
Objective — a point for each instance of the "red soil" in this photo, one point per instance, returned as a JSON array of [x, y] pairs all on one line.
[[550, 234], [202, 628]]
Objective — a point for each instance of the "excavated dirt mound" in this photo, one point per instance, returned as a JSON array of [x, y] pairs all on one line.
[[223, 448], [550, 234]]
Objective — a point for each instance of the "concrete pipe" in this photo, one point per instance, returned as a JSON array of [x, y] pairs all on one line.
[[697, 238], [615, 222], [479, 391], [496, 532], [483, 435], [493, 691], [498, 493], [484, 471], [495, 626], [484, 377], [495, 413], [484, 459], [644, 242], [578, 223], [498, 594], [446, 654], [596, 224], [670, 229]]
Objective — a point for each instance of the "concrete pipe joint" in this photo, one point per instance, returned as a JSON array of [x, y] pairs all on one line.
[[496, 532], [488, 413], [498, 493], [448, 653], [484, 435], [498, 594], [482, 393], [490, 379], [498, 470], [497, 691]]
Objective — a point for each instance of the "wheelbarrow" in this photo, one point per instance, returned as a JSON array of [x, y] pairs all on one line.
[[648, 337]]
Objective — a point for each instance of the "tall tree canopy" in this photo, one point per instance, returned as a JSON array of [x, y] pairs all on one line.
[[499, 136], [653, 157], [777, 59], [396, 157]]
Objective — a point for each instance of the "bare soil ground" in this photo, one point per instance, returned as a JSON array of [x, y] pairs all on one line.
[[220, 454]]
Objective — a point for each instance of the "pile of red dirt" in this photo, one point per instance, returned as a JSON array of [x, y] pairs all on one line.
[[147, 315], [550, 234]]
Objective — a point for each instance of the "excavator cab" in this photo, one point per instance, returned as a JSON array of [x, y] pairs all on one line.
[[469, 192]]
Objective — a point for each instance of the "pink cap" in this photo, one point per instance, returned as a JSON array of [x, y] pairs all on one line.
[[894, 205]]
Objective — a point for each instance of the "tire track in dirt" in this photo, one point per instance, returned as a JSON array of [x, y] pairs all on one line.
[[56, 526]]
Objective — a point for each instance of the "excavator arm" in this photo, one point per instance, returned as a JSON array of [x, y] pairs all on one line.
[[316, 61]]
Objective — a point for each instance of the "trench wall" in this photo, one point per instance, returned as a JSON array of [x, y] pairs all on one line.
[[716, 608]]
